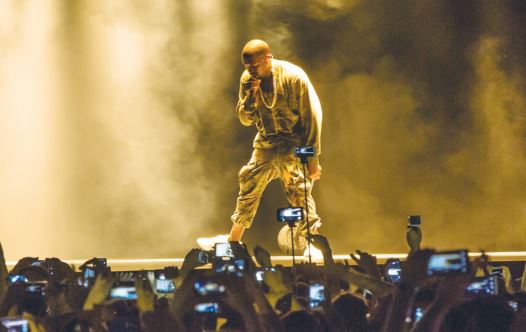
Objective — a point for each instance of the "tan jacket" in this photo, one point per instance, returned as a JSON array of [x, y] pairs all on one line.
[[297, 115]]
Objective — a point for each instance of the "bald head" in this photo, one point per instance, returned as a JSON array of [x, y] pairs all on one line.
[[255, 48], [256, 58]]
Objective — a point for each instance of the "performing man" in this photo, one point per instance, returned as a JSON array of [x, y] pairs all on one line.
[[278, 98]]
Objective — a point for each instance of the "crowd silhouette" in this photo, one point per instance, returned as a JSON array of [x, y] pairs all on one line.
[[239, 291]]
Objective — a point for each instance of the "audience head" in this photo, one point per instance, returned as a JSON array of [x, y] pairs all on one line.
[[350, 313], [300, 320], [485, 313]]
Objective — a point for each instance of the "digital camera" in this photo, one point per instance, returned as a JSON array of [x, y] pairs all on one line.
[[17, 278], [162, 284], [207, 308], [205, 287], [413, 221], [14, 324], [123, 291], [393, 270], [304, 151], [316, 295], [289, 214], [446, 262], [483, 286]]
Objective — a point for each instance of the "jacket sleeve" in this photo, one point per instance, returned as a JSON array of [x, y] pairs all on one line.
[[311, 114], [247, 113]]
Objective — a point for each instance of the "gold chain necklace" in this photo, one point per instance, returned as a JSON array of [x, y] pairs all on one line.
[[275, 97]]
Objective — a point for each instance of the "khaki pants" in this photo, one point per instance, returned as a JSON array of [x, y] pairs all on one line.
[[264, 166]]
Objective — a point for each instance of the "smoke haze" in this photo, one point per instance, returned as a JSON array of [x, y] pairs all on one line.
[[118, 136]]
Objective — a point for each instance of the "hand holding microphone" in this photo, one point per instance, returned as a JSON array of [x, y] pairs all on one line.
[[251, 86]]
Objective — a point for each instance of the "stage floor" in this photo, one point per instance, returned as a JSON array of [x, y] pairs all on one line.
[[159, 263]]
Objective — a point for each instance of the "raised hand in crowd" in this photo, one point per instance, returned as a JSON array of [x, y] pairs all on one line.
[[413, 275], [99, 292], [367, 262], [278, 287], [321, 242], [240, 251], [414, 270], [450, 291], [262, 257], [231, 298], [480, 265], [244, 294], [145, 296], [191, 261], [376, 286], [413, 237], [153, 316], [98, 265]]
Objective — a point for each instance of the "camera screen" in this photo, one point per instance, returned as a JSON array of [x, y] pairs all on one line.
[[304, 151], [36, 288], [497, 271], [413, 221], [419, 312], [123, 293], [446, 262], [17, 278], [89, 273], [164, 286], [290, 214], [236, 266], [38, 263], [483, 286], [514, 305], [207, 308], [15, 324], [317, 295], [202, 257], [82, 282], [393, 270], [208, 287], [224, 250], [260, 273]]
